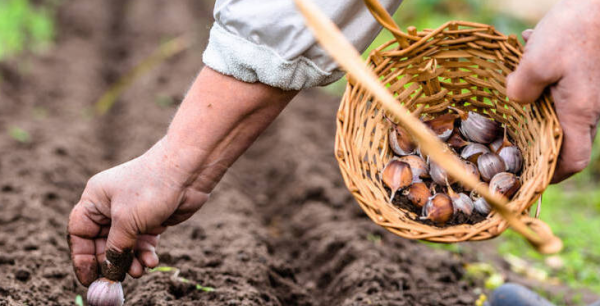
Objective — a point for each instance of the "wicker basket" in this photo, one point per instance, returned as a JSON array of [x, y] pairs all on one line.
[[460, 64]]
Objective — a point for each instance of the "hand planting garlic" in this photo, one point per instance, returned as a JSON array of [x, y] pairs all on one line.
[[426, 188]]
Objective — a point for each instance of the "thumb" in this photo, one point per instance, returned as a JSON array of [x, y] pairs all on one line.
[[120, 243], [537, 69]]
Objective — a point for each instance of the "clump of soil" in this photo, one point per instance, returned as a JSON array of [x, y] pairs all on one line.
[[281, 229]]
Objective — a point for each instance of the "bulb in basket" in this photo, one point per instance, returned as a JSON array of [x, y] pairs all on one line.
[[434, 195]]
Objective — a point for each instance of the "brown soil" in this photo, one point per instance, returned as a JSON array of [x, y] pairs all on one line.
[[281, 229]]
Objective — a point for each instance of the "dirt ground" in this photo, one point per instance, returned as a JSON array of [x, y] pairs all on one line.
[[281, 229]]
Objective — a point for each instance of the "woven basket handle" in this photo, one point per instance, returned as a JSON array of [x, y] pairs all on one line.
[[385, 19], [332, 40]]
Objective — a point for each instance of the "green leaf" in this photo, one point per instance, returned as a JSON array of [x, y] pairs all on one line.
[[205, 289], [19, 134], [162, 269], [78, 300]]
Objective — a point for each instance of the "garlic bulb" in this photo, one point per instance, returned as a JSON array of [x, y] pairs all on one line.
[[478, 128], [439, 175], [418, 166], [438, 209], [400, 141], [418, 194], [456, 141], [504, 183], [442, 126], [396, 175], [490, 164], [104, 292], [512, 157], [472, 168], [461, 202], [481, 206], [472, 151], [496, 144], [500, 143]]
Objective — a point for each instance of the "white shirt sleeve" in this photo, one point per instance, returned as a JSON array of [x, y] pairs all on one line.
[[267, 41]]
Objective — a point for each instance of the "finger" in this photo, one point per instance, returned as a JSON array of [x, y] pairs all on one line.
[[123, 233], [576, 150], [538, 69], [146, 250], [148, 259], [100, 249], [120, 244], [136, 270], [85, 223], [526, 34], [85, 265]]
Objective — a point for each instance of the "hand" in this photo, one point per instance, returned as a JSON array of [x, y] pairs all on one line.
[[129, 206], [561, 53]]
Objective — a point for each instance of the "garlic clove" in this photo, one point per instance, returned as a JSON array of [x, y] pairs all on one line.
[[460, 202], [490, 164], [482, 206], [512, 157], [478, 128], [396, 175], [418, 166], [442, 126], [400, 141], [472, 168], [496, 144], [505, 183], [439, 175], [472, 151], [422, 155], [104, 292], [456, 141], [500, 143], [463, 203], [438, 209], [418, 194]]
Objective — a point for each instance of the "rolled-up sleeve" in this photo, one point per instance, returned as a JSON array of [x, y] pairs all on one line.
[[267, 41]]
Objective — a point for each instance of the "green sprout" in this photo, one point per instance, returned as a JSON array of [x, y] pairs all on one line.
[[175, 277], [19, 134], [79, 300]]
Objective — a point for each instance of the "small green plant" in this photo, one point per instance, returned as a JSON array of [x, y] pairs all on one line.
[[23, 27], [19, 134], [79, 300], [176, 278]]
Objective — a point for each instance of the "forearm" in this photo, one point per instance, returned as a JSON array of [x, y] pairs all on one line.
[[217, 121]]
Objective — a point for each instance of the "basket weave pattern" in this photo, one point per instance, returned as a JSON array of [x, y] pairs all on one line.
[[460, 64]]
